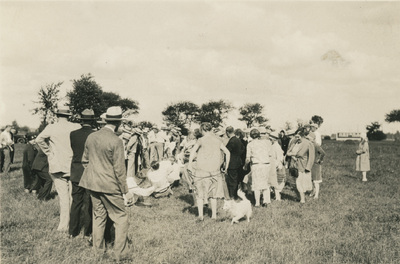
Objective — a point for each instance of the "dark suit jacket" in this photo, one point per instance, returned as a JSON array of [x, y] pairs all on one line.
[[236, 149], [104, 162], [40, 163], [78, 139], [28, 156]]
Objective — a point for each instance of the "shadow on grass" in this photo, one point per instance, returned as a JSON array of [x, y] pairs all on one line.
[[188, 198]]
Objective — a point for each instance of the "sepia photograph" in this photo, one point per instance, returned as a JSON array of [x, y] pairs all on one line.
[[199, 131]]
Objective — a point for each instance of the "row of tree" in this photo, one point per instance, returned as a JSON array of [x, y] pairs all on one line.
[[87, 93]]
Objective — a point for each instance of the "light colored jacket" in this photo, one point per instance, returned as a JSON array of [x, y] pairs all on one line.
[[55, 143], [104, 162]]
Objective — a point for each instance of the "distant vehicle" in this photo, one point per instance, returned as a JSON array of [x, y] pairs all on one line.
[[343, 136], [20, 137]]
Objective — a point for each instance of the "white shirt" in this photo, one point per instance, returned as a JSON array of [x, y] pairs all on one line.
[[318, 138], [5, 139]]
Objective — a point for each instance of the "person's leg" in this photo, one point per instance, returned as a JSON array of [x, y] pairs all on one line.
[[213, 203], [231, 179], [63, 190], [76, 207], [99, 222], [7, 161], [364, 176], [115, 207], [257, 194], [267, 196], [200, 207], [45, 190], [27, 178], [87, 214], [130, 171], [300, 187], [316, 190]]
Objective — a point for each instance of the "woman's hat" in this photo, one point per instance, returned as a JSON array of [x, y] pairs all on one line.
[[114, 113], [87, 114]]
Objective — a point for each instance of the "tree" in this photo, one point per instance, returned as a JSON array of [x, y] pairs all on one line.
[[317, 120], [288, 126], [214, 112], [87, 93], [393, 116], [47, 101], [181, 114], [252, 114], [18, 128], [374, 132]]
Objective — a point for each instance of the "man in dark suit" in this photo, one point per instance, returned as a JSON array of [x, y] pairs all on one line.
[[40, 167], [29, 155], [105, 178], [236, 149], [81, 205]]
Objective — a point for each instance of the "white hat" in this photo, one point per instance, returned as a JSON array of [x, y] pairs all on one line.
[[114, 113], [63, 110]]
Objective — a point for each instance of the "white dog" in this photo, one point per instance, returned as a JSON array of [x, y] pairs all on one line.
[[238, 209]]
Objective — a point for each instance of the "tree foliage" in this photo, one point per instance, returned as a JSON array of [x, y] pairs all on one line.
[[317, 120], [374, 132], [252, 114], [393, 116], [214, 112], [48, 98], [87, 93], [181, 114]]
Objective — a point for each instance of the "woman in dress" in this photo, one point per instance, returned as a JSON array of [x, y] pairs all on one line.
[[259, 152], [302, 155], [362, 161], [316, 171], [207, 175]]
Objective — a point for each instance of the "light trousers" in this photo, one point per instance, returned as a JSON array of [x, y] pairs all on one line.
[[64, 190]]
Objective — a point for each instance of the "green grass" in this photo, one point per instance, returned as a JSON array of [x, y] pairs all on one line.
[[352, 222]]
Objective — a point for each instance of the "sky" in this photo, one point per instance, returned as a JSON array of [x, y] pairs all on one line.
[[339, 60]]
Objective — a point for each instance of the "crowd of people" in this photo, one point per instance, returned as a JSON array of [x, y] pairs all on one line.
[[101, 166]]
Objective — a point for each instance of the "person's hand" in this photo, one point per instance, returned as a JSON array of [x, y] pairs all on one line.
[[128, 199], [280, 166]]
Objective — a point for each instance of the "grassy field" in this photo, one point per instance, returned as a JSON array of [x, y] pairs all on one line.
[[352, 222]]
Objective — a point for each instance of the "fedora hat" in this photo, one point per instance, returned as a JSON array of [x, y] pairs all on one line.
[[87, 114], [114, 113], [63, 110]]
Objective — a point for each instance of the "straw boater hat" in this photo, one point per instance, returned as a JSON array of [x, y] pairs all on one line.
[[114, 113], [63, 110], [87, 114]]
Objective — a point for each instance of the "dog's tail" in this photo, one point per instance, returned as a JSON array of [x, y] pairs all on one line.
[[241, 194]]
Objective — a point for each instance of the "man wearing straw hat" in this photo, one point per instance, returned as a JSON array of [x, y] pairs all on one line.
[[105, 178], [54, 142], [81, 204]]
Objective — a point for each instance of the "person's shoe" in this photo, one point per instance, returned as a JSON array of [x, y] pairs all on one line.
[[315, 197], [34, 191], [264, 205], [364, 180], [26, 190], [90, 241]]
